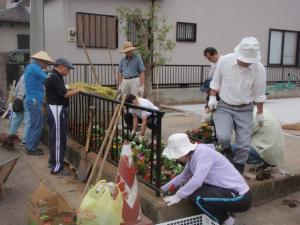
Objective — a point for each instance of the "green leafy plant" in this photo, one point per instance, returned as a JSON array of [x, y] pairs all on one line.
[[151, 29], [150, 37]]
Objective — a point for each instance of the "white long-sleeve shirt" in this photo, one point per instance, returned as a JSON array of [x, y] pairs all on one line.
[[213, 67], [143, 102], [20, 88], [207, 166], [239, 85]]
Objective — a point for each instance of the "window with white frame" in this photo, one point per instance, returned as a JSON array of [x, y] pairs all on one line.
[[283, 47]]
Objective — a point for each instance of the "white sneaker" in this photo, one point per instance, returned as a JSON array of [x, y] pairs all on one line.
[[229, 221]]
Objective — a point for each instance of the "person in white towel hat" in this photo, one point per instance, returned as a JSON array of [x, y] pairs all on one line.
[[208, 179], [240, 80]]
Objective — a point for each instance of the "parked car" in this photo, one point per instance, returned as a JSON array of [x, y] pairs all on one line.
[[19, 56]]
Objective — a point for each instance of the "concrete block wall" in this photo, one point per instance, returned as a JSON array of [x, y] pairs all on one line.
[[173, 96], [3, 75]]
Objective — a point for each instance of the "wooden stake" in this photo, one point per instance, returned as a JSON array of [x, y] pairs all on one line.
[[110, 140], [113, 121], [91, 64]]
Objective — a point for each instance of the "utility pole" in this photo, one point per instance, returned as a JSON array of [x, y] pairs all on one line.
[[37, 34]]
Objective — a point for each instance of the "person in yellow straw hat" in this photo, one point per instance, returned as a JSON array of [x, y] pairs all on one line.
[[34, 78], [131, 72]]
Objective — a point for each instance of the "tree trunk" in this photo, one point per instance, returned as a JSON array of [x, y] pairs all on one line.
[[148, 80]]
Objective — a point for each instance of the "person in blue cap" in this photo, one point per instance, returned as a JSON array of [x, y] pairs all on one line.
[[57, 96]]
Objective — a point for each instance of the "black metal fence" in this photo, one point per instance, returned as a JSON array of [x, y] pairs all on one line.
[[107, 74], [166, 76], [178, 76], [104, 109]]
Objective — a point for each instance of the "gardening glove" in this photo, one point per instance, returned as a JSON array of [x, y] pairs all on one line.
[[132, 134], [141, 138], [205, 118], [119, 89], [171, 200], [141, 90], [260, 119], [212, 103]]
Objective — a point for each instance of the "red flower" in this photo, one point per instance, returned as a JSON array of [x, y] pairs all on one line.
[[172, 188]]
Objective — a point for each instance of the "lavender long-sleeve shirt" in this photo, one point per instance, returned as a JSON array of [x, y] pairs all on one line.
[[210, 167]]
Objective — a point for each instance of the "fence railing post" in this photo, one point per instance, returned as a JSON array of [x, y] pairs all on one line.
[[202, 75], [158, 156], [282, 75], [85, 75]]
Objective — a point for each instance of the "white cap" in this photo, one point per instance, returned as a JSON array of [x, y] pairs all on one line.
[[248, 50], [178, 145]]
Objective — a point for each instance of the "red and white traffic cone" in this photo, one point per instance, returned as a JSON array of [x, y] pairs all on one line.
[[127, 182]]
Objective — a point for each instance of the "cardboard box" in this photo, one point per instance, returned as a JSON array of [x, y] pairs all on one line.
[[47, 207]]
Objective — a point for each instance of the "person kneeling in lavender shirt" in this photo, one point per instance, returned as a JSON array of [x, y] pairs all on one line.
[[213, 184]]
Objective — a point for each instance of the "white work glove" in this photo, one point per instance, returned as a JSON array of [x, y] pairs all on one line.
[[119, 89], [205, 118], [141, 138], [132, 134], [212, 103], [260, 119], [171, 200], [141, 90]]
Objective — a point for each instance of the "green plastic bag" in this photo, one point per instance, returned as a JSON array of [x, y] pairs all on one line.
[[102, 205]]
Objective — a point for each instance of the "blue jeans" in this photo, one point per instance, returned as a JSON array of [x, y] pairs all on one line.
[[36, 124], [253, 157], [16, 121]]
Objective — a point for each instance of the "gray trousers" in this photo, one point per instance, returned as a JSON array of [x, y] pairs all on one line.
[[227, 118]]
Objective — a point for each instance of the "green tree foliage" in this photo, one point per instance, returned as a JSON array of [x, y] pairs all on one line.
[[152, 31]]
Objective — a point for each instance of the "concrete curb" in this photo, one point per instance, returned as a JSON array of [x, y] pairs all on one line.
[[154, 207]]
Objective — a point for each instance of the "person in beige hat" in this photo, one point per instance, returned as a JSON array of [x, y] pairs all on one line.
[[208, 179], [34, 78], [131, 72], [240, 79]]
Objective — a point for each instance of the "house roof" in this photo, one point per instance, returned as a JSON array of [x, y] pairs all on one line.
[[15, 14]]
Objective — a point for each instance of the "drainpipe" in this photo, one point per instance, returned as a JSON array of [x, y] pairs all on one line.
[[37, 36]]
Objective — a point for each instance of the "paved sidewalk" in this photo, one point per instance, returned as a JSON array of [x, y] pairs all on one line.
[[25, 179], [272, 213], [286, 110], [29, 170]]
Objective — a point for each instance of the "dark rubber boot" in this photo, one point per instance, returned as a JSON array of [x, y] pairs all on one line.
[[239, 167], [228, 153]]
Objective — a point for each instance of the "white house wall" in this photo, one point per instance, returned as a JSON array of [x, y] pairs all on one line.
[[8, 36], [64, 14], [221, 24]]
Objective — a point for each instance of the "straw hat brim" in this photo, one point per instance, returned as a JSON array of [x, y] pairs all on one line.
[[128, 49], [42, 56]]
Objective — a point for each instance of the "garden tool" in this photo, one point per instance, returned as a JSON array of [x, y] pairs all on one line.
[[84, 165], [113, 124], [91, 64], [119, 94], [10, 100]]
